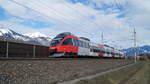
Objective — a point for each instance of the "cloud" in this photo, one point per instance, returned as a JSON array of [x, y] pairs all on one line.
[[89, 18]]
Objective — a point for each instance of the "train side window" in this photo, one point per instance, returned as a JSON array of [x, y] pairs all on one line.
[[80, 43], [103, 50], [84, 44], [67, 42], [87, 46], [91, 50]]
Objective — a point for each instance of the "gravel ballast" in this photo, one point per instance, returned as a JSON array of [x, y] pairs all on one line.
[[53, 71]]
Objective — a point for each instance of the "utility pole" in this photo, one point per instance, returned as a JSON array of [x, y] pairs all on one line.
[[102, 37], [139, 51], [135, 58]]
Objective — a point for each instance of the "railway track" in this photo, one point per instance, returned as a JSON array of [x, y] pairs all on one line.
[[57, 58], [31, 59]]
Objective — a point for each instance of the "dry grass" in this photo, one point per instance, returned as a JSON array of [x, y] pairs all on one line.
[[137, 74]]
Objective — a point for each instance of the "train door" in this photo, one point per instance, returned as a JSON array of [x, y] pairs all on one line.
[[83, 49]]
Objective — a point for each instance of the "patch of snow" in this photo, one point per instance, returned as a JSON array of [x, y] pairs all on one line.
[[1, 34], [4, 31], [35, 35]]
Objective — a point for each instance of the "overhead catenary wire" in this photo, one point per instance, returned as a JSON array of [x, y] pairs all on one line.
[[79, 13], [89, 20], [57, 15], [46, 15], [82, 24], [134, 39]]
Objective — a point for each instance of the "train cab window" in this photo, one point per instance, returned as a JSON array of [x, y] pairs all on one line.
[[67, 42], [76, 43], [54, 42], [73, 40]]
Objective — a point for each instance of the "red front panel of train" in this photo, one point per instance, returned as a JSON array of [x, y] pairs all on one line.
[[67, 48]]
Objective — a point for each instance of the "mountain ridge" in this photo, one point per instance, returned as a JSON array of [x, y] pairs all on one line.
[[145, 49], [10, 34]]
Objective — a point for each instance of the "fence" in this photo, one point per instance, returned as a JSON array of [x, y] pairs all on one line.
[[14, 49]]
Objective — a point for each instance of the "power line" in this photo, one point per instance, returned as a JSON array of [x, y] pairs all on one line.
[[45, 15], [80, 13], [118, 5], [83, 24], [48, 16], [58, 13]]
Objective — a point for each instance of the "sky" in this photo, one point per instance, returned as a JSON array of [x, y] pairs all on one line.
[[116, 19]]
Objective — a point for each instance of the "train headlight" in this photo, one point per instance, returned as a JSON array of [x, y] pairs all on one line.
[[52, 48]]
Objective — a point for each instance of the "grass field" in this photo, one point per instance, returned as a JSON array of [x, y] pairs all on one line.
[[139, 73]]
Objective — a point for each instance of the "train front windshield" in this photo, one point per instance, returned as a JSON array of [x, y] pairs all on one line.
[[55, 42], [58, 38]]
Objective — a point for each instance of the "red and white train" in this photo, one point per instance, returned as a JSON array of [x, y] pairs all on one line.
[[66, 44]]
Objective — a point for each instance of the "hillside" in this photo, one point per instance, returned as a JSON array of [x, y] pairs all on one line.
[[37, 38]]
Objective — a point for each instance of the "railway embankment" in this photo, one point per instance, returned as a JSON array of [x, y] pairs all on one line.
[[138, 73], [53, 71]]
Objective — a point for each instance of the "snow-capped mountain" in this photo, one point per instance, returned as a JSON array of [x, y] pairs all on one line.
[[142, 50], [37, 38], [10, 34], [35, 35]]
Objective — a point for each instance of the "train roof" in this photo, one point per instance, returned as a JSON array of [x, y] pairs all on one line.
[[64, 34], [106, 45], [84, 38]]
